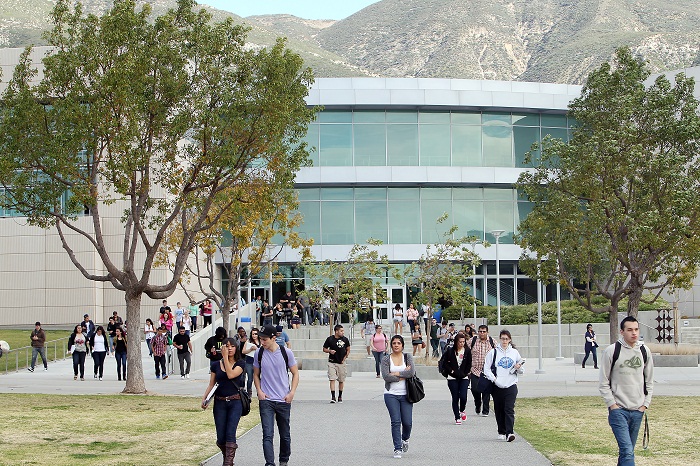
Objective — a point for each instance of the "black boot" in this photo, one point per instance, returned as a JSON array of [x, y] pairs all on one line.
[[583, 366], [230, 453]]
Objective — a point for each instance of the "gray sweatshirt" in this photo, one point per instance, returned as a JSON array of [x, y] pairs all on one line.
[[627, 387]]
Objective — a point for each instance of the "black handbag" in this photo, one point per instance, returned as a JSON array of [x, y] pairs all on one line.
[[484, 385], [414, 388], [245, 400]]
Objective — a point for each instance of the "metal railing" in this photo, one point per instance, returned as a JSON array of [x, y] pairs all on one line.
[[20, 358]]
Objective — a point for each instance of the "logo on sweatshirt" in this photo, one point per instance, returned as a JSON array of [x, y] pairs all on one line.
[[635, 362], [506, 362]]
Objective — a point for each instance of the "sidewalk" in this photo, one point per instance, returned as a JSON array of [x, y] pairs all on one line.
[[358, 430]]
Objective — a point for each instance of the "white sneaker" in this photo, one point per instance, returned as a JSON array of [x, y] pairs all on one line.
[[370, 357], [397, 453], [501, 437], [182, 377], [46, 369], [404, 446], [187, 376], [458, 422], [510, 437]]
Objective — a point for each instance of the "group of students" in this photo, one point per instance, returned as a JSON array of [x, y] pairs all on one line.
[[98, 342], [462, 362]]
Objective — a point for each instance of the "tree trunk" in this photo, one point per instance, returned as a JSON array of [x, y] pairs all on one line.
[[635, 297], [614, 334], [134, 374]]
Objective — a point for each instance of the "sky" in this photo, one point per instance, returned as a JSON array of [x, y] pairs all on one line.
[[308, 9]]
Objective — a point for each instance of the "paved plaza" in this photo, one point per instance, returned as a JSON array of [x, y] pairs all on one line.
[[357, 431]]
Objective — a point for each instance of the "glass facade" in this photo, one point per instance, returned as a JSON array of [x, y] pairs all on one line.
[[407, 215], [418, 138]]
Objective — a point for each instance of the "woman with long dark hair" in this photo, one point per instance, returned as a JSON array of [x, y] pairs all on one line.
[[456, 365], [120, 352], [508, 362], [149, 331], [227, 373], [590, 347], [249, 347], [99, 346], [78, 347], [397, 366]]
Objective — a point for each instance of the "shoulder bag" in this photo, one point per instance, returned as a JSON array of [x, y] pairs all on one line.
[[414, 387]]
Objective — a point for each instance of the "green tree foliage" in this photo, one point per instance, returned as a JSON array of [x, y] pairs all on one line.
[[349, 285], [441, 273], [617, 208], [157, 117]]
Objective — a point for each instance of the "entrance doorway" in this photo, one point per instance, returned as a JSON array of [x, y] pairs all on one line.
[[393, 295]]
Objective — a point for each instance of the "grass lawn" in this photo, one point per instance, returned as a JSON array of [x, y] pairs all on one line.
[[574, 431], [20, 338], [60, 430]]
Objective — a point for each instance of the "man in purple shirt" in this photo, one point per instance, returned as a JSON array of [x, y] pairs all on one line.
[[271, 365]]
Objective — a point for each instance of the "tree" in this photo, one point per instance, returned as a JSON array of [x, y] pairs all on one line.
[[156, 117], [617, 208], [350, 284], [441, 273]]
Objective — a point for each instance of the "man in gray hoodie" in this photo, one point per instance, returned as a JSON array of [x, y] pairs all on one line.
[[626, 384]]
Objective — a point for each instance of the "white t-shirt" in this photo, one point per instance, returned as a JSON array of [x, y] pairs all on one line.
[[99, 344], [397, 388]]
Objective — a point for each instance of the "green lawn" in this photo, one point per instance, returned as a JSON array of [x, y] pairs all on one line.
[[20, 338], [67, 430], [574, 431]]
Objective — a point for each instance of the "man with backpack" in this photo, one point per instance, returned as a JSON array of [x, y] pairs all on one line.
[[626, 384], [271, 365], [480, 345]]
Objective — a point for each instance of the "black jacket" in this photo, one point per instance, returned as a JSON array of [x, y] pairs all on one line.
[[450, 367]]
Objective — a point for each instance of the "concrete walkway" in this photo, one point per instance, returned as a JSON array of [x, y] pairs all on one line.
[[358, 431]]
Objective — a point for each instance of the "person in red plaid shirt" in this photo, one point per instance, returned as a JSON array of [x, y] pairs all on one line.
[[159, 343], [480, 345]]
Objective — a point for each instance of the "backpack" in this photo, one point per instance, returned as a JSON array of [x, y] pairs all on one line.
[[616, 356], [285, 356], [493, 345], [441, 364]]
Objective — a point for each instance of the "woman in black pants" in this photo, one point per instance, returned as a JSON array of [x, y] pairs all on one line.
[[78, 348], [99, 347], [507, 362], [590, 347], [456, 364]]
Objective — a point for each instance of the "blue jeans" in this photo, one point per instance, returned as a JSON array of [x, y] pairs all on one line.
[[39, 351], [121, 363], [377, 359], [249, 374], [625, 426], [99, 360], [458, 390], [271, 411], [401, 415], [226, 417]]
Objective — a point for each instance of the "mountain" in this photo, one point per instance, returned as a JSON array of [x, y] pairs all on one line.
[[526, 40]]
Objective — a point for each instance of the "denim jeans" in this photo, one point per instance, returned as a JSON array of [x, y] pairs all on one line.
[[377, 359], [39, 351], [271, 411], [401, 415], [481, 400], [79, 363], [595, 357], [249, 374], [226, 417], [121, 363], [625, 426], [99, 360], [148, 343], [458, 390], [160, 363], [504, 408]]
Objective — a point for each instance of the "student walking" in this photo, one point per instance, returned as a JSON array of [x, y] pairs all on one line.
[[590, 347], [626, 384], [78, 348], [456, 364], [98, 346], [380, 345], [338, 348], [508, 363], [396, 368], [160, 345], [479, 347], [227, 410], [38, 338], [119, 351]]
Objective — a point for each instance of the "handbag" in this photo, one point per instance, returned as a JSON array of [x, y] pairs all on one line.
[[414, 388], [245, 400], [484, 385]]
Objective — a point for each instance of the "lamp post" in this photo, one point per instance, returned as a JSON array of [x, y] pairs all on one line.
[[497, 234], [473, 243]]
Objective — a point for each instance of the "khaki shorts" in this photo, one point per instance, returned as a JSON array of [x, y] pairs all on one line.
[[368, 340], [337, 371]]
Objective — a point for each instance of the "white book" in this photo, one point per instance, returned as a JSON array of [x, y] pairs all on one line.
[[210, 395]]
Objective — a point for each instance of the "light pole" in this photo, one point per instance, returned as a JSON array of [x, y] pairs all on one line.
[[474, 279], [497, 234]]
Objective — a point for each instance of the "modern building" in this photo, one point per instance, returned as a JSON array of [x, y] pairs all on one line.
[[392, 155]]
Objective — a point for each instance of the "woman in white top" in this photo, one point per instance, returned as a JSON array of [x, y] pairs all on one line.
[[396, 368], [249, 347], [398, 319], [99, 346], [186, 323], [508, 364], [150, 331]]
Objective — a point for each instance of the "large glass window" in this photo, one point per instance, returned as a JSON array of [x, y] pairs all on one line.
[[337, 222], [336, 145], [311, 225], [466, 146], [370, 145], [497, 136], [404, 216], [435, 144], [371, 221], [402, 144], [523, 139], [435, 202]]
